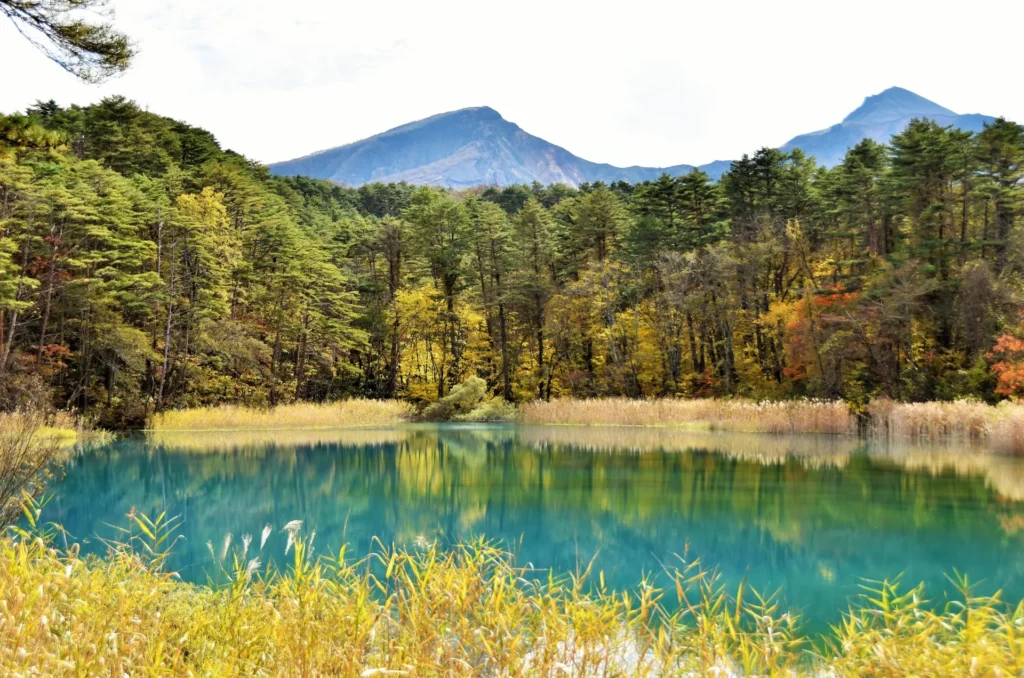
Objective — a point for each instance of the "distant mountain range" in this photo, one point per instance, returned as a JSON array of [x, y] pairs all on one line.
[[878, 118], [475, 146]]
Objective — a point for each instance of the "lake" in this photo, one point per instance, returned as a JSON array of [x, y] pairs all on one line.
[[808, 516]]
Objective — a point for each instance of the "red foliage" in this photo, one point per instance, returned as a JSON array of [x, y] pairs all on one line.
[[836, 297], [1008, 354]]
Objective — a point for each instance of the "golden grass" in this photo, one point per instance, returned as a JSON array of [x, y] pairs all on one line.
[[1006, 427], [787, 416], [930, 420], [30, 447], [61, 427], [340, 414], [467, 611], [1000, 426]]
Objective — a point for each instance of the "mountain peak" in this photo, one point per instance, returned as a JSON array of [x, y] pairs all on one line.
[[484, 111], [894, 103], [477, 146], [471, 113]]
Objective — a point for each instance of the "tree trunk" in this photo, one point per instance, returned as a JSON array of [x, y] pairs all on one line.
[[167, 336], [300, 368], [506, 382], [47, 303], [5, 347]]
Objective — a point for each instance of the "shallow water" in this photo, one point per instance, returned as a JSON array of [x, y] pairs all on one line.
[[808, 516]]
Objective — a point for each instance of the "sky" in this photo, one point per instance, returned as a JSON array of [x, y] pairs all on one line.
[[641, 83]]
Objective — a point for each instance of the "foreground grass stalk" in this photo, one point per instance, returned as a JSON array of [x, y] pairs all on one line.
[[465, 611], [30, 447]]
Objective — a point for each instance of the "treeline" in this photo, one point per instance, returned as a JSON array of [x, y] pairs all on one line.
[[142, 267]]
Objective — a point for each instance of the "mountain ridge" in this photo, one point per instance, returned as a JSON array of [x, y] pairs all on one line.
[[478, 146], [880, 117]]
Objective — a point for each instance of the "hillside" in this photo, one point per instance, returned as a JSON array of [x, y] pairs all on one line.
[[475, 146], [879, 117], [463, 148]]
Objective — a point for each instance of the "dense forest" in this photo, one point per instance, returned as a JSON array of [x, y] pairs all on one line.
[[142, 267]]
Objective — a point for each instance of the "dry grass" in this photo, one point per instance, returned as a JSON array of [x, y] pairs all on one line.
[[30, 446], [788, 416], [340, 414], [1006, 427], [1001, 426], [931, 420], [468, 611]]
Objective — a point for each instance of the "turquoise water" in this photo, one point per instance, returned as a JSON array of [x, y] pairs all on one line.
[[809, 517]]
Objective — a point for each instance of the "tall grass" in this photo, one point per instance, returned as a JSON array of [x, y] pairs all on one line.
[[30, 446], [787, 416], [340, 414], [929, 420], [466, 611], [1000, 426]]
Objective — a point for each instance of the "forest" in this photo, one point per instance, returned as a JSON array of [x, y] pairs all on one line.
[[145, 268]]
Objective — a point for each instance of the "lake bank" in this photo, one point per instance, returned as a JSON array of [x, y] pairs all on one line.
[[470, 610], [999, 426], [804, 517]]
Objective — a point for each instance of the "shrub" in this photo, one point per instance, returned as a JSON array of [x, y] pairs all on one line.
[[468, 401]]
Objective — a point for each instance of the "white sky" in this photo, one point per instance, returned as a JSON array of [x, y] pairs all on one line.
[[644, 83]]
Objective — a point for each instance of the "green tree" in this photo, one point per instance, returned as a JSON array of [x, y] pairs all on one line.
[[440, 232], [1000, 152]]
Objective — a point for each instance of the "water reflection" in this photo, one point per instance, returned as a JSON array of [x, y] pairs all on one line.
[[807, 515]]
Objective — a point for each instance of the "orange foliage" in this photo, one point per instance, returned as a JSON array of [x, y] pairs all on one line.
[[1008, 354], [836, 297]]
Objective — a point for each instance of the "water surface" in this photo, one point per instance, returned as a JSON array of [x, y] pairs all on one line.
[[808, 516]]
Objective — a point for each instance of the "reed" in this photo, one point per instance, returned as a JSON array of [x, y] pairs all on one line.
[[930, 420], [1001, 427], [1006, 427], [469, 610], [340, 414], [30, 446], [787, 416]]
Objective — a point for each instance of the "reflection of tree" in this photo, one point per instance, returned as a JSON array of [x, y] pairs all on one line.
[[811, 522]]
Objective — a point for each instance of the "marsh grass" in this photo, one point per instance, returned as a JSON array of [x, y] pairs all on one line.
[[30, 447], [466, 611], [1000, 426], [787, 416], [340, 414]]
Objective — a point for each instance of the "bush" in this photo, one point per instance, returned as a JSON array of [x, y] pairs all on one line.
[[494, 409], [468, 401]]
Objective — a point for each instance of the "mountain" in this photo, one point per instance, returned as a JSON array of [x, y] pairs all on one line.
[[475, 146], [468, 147], [879, 117]]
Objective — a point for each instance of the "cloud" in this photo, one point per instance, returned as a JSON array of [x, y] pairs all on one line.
[[651, 83]]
